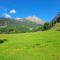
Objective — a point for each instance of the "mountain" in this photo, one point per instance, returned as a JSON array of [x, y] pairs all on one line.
[[19, 19], [18, 25], [35, 20]]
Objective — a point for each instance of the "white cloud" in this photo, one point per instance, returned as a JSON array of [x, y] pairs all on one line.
[[6, 15], [13, 11]]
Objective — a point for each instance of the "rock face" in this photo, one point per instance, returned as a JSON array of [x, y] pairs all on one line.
[[35, 19]]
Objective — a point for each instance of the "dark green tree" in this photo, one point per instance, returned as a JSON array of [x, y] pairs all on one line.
[[46, 26]]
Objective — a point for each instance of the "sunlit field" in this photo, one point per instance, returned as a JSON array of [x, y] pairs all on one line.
[[29, 29], [31, 46]]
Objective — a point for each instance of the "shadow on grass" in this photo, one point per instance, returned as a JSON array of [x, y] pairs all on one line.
[[2, 40]]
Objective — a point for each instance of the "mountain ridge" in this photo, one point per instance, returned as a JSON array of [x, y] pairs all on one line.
[[23, 25], [32, 19]]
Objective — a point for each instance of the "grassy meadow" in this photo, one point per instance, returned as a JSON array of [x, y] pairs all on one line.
[[31, 46]]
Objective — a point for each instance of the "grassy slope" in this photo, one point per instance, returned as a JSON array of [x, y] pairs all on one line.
[[56, 27], [31, 46]]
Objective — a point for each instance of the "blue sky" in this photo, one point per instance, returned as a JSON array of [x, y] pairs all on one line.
[[44, 9]]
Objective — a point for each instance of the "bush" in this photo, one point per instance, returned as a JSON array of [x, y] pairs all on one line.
[[46, 26], [2, 40]]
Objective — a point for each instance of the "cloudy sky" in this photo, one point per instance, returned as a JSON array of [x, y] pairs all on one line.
[[44, 9]]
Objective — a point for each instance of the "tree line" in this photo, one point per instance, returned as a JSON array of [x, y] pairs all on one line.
[[52, 23]]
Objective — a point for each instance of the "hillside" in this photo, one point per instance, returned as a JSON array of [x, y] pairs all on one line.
[[22, 25], [56, 27]]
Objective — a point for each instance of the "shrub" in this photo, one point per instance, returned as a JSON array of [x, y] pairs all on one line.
[[2, 40]]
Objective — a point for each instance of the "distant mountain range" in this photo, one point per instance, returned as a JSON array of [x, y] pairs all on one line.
[[33, 19], [30, 23]]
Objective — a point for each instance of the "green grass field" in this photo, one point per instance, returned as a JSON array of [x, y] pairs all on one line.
[[31, 46]]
